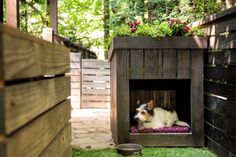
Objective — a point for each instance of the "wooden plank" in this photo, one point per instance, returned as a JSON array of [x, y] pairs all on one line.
[[223, 139], [221, 57], [75, 84], [26, 101], [196, 92], [224, 107], [97, 91], [224, 123], [95, 98], [175, 42], [221, 89], [75, 72], [32, 139], [75, 78], [75, 65], [136, 64], [26, 56], [169, 64], [216, 148], [153, 64], [75, 91], [96, 71], [183, 64], [95, 78], [168, 140], [222, 74], [96, 85], [68, 152], [75, 57], [95, 105], [223, 42], [59, 145], [93, 63], [54, 16]]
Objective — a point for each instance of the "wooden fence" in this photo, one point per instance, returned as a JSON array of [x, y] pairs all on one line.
[[34, 111], [90, 83], [220, 83]]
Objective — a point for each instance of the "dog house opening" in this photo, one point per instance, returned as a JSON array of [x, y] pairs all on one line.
[[166, 99]]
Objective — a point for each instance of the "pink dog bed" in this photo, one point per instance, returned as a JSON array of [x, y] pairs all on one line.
[[173, 129]]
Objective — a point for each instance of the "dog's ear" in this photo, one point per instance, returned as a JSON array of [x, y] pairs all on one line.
[[138, 101], [150, 105]]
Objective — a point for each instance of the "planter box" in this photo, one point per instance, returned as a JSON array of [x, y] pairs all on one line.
[[167, 70]]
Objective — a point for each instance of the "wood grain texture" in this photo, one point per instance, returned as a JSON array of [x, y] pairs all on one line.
[[153, 64], [197, 103], [221, 57], [221, 106], [59, 145], [223, 42], [165, 139], [223, 139], [221, 73], [26, 101], [25, 56], [33, 138], [136, 64], [183, 64], [169, 64]]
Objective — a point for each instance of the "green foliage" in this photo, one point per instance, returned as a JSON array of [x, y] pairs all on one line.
[[147, 152]]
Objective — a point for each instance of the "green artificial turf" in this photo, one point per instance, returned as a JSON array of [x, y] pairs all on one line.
[[147, 152]]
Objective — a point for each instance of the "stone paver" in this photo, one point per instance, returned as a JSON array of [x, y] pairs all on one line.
[[91, 128]]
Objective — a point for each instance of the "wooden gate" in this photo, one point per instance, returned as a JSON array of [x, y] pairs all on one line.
[[95, 87]]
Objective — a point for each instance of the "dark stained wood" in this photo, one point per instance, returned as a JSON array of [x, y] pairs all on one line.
[[136, 64], [221, 106], [153, 64], [53, 15], [197, 95], [216, 148], [169, 64], [225, 90], [221, 57], [12, 13], [223, 42], [153, 43], [168, 140], [123, 96], [222, 74], [223, 139], [221, 121], [183, 64]]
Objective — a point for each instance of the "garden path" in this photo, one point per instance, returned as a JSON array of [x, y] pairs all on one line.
[[91, 128]]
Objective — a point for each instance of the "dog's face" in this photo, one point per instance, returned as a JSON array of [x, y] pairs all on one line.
[[144, 112]]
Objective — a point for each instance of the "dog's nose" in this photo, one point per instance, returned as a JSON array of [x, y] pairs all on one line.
[[136, 118]]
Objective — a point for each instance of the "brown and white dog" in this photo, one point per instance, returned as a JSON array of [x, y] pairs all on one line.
[[149, 116]]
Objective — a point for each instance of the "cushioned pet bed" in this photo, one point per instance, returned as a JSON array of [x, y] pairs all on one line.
[[173, 129]]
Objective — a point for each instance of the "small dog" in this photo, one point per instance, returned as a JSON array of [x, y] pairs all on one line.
[[149, 116]]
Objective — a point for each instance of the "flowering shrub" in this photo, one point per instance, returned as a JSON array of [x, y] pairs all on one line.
[[178, 28]]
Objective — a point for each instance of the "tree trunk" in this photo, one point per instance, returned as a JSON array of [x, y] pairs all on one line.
[[106, 26]]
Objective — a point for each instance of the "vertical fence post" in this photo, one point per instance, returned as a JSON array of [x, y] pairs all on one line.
[[12, 13], [53, 15]]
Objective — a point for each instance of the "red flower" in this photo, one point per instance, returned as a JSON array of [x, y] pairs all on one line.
[[133, 29]]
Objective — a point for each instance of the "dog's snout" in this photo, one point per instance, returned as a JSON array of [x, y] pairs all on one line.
[[136, 118]]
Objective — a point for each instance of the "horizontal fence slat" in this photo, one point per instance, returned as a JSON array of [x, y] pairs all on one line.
[[95, 78], [221, 89], [222, 57], [75, 72], [33, 138], [59, 145], [75, 84], [221, 138], [221, 106], [216, 148], [75, 65], [92, 63], [223, 42], [226, 124], [24, 56], [26, 101], [223, 74], [96, 85], [97, 91], [75, 57], [96, 71], [96, 104], [95, 98]]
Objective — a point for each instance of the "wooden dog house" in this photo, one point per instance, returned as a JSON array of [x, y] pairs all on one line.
[[168, 70]]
